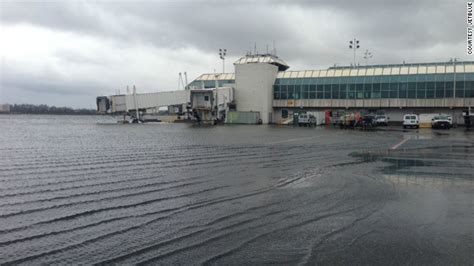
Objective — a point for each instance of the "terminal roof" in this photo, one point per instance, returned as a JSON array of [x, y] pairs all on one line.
[[370, 70], [384, 70], [263, 58]]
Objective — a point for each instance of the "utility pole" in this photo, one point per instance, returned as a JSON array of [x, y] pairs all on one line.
[[135, 102], [222, 54], [216, 76], [354, 45]]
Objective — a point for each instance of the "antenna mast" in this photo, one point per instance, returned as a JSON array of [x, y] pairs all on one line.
[[186, 80], [180, 80]]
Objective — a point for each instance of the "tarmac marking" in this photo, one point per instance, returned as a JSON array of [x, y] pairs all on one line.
[[396, 146]]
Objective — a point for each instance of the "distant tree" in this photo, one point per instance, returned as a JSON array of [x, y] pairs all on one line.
[[45, 109]]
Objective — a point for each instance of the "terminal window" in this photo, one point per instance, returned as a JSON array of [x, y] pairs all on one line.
[[418, 86]]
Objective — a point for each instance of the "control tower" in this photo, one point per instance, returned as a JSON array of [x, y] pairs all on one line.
[[254, 79]]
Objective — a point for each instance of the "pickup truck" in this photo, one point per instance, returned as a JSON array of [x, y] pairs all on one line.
[[442, 121]]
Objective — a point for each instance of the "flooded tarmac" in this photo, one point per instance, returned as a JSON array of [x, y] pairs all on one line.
[[83, 190]]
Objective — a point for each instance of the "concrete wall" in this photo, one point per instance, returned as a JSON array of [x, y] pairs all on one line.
[[254, 89]]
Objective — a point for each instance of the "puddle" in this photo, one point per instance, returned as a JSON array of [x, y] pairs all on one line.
[[440, 165]]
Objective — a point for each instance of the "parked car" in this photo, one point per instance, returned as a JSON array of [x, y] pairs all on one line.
[[306, 120], [442, 121], [381, 120], [411, 120], [367, 121]]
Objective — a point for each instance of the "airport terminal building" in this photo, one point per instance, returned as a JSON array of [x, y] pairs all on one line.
[[263, 85]]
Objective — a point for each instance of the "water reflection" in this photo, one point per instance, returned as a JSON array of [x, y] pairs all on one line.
[[434, 166], [404, 179]]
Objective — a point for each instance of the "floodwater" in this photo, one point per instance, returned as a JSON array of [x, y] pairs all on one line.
[[84, 190]]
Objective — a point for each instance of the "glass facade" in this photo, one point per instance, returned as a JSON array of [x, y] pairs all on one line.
[[415, 86]]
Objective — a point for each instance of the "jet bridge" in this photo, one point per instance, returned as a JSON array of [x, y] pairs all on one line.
[[146, 107], [144, 102]]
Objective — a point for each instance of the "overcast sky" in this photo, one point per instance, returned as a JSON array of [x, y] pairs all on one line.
[[65, 53]]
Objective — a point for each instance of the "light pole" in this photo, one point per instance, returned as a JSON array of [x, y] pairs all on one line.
[[454, 60], [354, 45], [367, 56], [222, 54]]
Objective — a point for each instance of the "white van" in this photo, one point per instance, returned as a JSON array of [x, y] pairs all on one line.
[[411, 120], [306, 120]]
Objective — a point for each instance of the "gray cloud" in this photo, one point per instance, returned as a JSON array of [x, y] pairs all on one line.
[[308, 34]]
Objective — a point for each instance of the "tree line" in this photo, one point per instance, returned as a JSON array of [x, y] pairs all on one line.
[[46, 109]]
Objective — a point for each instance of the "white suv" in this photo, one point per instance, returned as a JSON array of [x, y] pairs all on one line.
[[381, 120], [411, 120]]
